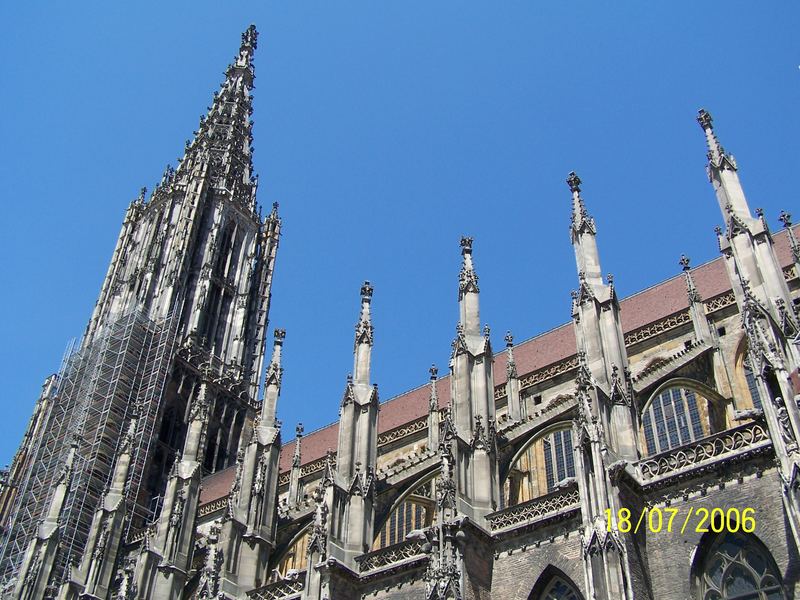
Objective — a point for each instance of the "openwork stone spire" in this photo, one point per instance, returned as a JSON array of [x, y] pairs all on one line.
[[224, 136]]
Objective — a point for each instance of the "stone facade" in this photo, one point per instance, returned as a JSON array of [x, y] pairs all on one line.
[[647, 450]]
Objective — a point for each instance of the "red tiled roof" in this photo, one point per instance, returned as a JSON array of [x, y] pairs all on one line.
[[216, 485], [638, 310]]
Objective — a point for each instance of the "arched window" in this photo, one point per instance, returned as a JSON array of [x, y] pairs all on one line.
[[745, 379], [295, 556], [553, 584], [738, 567], [414, 512], [225, 250], [540, 467], [675, 417], [558, 589], [752, 387]]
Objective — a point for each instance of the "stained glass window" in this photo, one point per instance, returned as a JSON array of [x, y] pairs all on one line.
[[752, 387], [739, 568], [415, 512], [560, 589], [540, 468], [677, 416]]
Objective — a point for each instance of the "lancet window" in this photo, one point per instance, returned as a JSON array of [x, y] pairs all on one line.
[[675, 417], [414, 512], [538, 470]]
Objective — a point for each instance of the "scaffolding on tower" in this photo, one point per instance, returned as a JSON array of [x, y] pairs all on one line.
[[99, 387]]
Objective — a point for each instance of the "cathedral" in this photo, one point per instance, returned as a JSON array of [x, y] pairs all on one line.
[[646, 450]]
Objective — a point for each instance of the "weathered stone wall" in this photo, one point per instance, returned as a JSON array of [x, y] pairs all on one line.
[[517, 570], [671, 555]]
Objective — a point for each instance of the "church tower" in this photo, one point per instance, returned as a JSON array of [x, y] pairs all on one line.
[[177, 338]]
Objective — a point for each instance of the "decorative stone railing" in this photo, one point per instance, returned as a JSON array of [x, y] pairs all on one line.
[[390, 555], [657, 328], [213, 506], [279, 590], [538, 509], [719, 302], [403, 431], [745, 438]]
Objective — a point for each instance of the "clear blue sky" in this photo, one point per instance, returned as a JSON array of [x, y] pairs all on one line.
[[386, 130]]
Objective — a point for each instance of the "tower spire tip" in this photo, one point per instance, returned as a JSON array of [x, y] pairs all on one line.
[[574, 182], [704, 119], [366, 291]]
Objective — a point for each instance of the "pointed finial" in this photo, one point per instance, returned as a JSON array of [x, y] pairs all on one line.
[[705, 119], [511, 363], [142, 194], [786, 219], [610, 278], [434, 371], [691, 289], [296, 457], [280, 335], [574, 182], [717, 157], [274, 208], [760, 213], [168, 173], [250, 38], [364, 331], [366, 291], [467, 278], [486, 330], [581, 221]]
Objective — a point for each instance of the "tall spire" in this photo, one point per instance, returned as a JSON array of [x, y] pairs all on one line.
[[272, 388], [363, 339], [468, 292], [583, 235], [296, 457], [702, 330], [515, 405], [297, 463], [433, 411], [224, 136], [472, 400], [722, 172]]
